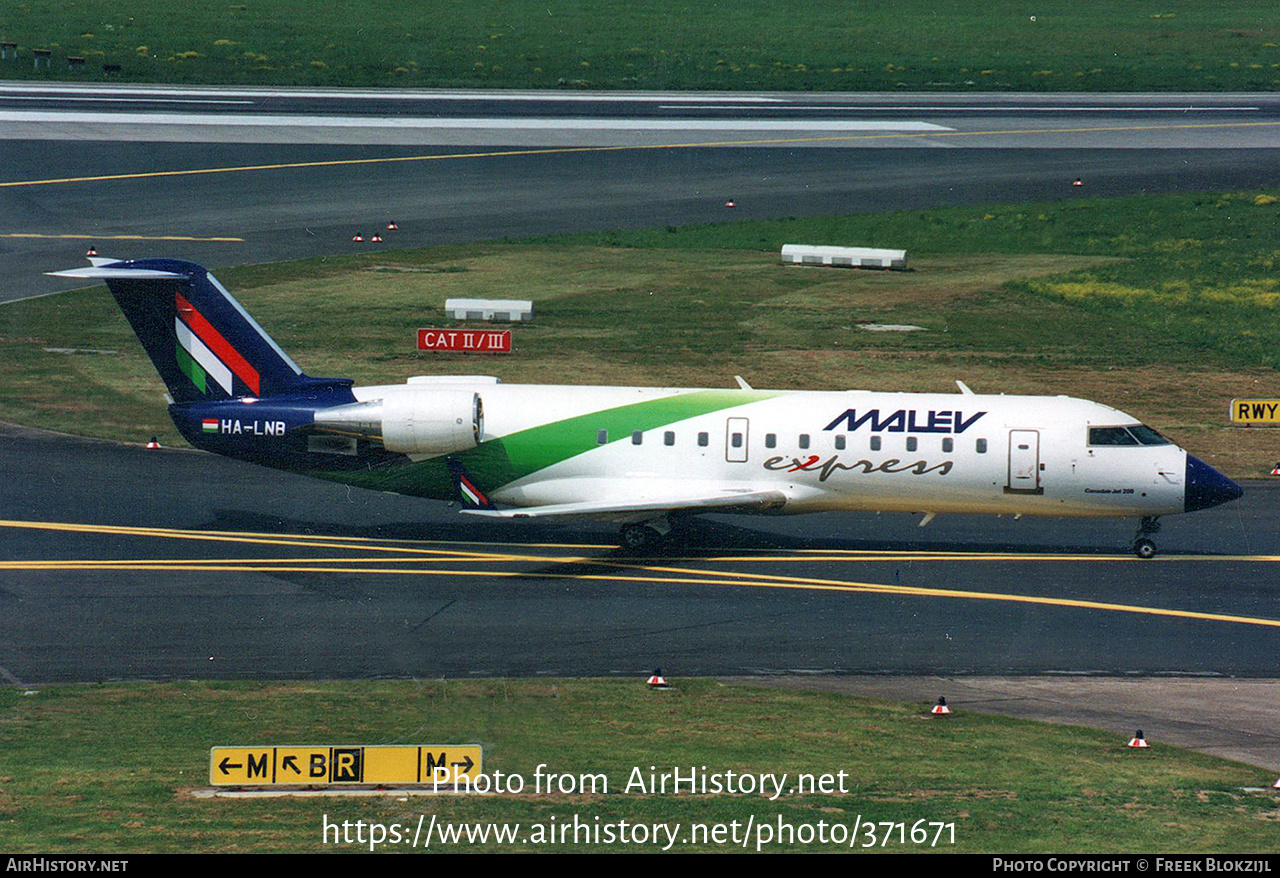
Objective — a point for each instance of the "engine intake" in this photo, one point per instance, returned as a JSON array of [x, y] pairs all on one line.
[[411, 421]]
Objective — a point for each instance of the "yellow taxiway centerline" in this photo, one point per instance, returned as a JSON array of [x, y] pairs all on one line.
[[698, 578], [121, 237], [570, 150]]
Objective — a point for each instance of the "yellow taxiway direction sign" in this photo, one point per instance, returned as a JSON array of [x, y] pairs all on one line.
[[1255, 411], [327, 764]]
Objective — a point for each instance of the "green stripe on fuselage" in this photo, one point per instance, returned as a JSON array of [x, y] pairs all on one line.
[[191, 369], [499, 462]]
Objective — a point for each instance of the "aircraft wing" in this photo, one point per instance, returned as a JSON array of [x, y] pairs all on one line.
[[727, 500]]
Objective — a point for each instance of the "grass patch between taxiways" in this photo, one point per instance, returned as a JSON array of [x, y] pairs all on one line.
[[110, 768]]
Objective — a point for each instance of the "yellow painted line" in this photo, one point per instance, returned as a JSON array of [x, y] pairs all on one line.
[[281, 539], [206, 536], [118, 237], [570, 150], [749, 581], [805, 583]]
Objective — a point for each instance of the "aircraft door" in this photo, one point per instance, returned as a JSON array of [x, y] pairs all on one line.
[[1024, 462], [735, 440]]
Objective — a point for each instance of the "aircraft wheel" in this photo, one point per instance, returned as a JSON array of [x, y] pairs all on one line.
[[636, 537], [1144, 548]]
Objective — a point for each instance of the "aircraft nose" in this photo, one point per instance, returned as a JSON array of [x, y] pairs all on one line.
[[1206, 487]]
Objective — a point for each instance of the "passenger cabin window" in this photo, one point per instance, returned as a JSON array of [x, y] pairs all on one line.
[[637, 437], [770, 440], [840, 443], [948, 445], [669, 438], [982, 446], [804, 440], [735, 439], [602, 437], [1135, 434], [702, 439], [875, 443], [912, 443]]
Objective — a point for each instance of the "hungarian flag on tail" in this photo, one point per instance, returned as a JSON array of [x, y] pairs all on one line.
[[471, 496]]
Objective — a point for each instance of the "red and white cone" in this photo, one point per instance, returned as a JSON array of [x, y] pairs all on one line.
[[93, 251], [357, 238], [391, 227], [730, 203], [154, 443], [1275, 470], [941, 709], [1138, 742], [657, 681], [377, 239], [1276, 785], [1077, 183]]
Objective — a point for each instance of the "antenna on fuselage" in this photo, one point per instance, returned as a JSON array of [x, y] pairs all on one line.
[[964, 388]]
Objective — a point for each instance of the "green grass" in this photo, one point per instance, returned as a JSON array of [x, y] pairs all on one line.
[[1166, 307], [110, 768], [1108, 45]]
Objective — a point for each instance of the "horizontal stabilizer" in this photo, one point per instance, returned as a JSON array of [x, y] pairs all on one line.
[[105, 272], [724, 501]]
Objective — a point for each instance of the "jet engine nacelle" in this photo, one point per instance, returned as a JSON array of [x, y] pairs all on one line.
[[411, 421], [431, 421]]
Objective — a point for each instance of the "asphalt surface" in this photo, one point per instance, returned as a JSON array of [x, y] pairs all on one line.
[[139, 178], [124, 563]]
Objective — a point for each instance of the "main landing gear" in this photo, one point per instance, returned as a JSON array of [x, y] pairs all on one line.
[[1144, 547], [644, 535]]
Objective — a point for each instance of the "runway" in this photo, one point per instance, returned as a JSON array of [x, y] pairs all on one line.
[[229, 177], [228, 570]]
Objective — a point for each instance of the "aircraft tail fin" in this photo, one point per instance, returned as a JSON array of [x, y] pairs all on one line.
[[203, 343], [469, 495]]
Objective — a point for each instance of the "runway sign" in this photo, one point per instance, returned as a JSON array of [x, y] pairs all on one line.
[[324, 765], [1255, 411], [466, 341]]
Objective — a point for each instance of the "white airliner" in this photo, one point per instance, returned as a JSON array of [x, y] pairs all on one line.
[[641, 455]]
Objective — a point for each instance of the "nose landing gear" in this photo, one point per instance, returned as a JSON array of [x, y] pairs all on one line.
[[1143, 546]]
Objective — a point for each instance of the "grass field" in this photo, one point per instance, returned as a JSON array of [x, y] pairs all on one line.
[[111, 768], [1166, 307], [1107, 45]]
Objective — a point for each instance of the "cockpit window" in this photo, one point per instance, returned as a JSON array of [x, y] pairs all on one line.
[[1111, 436], [1137, 434], [1147, 436]]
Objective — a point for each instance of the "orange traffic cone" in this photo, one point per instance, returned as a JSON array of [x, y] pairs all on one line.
[[941, 709], [657, 681], [1138, 741]]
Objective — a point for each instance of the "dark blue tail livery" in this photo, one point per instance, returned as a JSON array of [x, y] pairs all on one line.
[[205, 346]]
